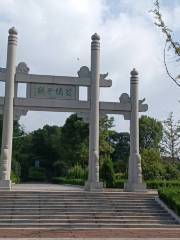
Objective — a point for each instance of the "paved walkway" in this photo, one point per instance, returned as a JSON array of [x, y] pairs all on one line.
[[42, 187], [92, 238], [100, 233], [45, 187]]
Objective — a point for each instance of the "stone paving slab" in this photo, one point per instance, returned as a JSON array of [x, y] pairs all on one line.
[[100, 233]]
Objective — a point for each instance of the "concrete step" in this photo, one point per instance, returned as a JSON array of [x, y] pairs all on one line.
[[87, 226], [79, 221], [79, 205], [81, 210], [88, 216]]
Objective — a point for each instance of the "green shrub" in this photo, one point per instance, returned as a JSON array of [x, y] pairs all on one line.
[[77, 172], [63, 180], [119, 183], [15, 171], [172, 171], [120, 176], [14, 177], [37, 174], [171, 196]]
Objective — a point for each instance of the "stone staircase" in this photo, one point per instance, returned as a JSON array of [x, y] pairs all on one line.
[[82, 210]]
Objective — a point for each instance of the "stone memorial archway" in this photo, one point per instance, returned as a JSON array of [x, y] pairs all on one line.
[[61, 94]]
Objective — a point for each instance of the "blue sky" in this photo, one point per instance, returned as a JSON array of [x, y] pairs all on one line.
[[53, 34]]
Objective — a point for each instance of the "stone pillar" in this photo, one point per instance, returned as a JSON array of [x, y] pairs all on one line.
[[134, 172], [7, 133], [93, 183]]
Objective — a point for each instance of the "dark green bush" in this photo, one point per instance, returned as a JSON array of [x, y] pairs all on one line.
[[14, 177], [37, 174], [119, 183], [171, 196]]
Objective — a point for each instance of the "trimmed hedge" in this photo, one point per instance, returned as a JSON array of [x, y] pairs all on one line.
[[156, 184], [37, 174], [171, 196], [153, 184], [63, 180], [119, 183]]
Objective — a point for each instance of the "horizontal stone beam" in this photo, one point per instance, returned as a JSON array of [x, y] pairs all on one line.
[[33, 78], [55, 105]]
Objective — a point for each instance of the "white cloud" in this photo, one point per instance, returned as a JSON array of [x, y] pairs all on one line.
[[53, 34]]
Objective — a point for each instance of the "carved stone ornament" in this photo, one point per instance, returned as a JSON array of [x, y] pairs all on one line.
[[22, 68], [124, 98], [84, 72]]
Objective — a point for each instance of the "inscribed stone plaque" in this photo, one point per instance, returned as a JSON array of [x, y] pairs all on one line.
[[53, 91]]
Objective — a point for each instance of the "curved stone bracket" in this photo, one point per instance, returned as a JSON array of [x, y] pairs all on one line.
[[142, 107]]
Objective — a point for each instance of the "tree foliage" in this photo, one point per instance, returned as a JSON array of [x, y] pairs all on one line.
[[171, 138], [62, 152], [107, 172], [150, 133], [152, 166]]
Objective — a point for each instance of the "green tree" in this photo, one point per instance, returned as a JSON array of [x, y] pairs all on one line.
[[46, 148], [171, 138], [105, 145], [74, 142], [121, 144], [152, 167], [107, 172], [150, 132]]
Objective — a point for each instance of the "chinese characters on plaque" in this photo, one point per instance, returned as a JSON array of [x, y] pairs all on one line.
[[53, 91]]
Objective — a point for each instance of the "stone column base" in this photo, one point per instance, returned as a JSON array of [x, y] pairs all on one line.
[[135, 187], [5, 185], [93, 186]]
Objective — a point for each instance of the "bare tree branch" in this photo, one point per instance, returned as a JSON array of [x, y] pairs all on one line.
[[169, 40], [166, 67]]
